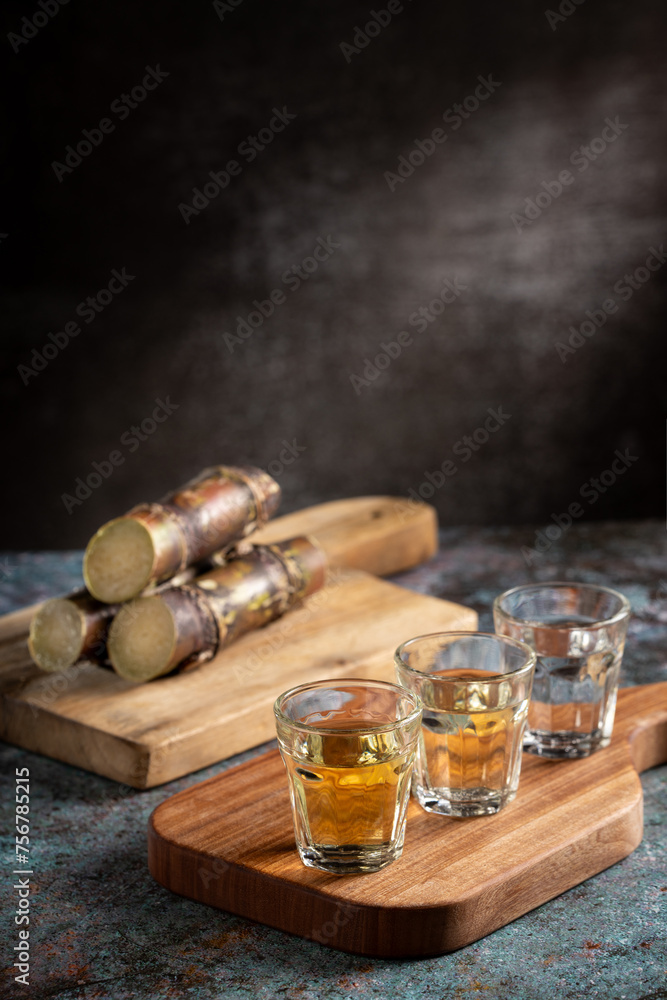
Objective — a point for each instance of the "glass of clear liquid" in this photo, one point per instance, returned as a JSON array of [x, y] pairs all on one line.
[[578, 632], [348, 747], [475, 689]]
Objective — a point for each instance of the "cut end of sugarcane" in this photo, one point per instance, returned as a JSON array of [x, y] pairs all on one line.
[[57, 633], [142, 640], [119, 561]]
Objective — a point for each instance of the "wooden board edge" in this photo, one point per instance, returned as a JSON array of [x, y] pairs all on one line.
[[54, 739], [255, 894], [558, 871], [394, 932]]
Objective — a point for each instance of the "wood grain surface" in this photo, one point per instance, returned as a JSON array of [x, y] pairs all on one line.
[[144, 735], [228, 842], [381, 535]]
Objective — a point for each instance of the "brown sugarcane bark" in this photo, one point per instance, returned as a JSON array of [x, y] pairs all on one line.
[[68, 630], [155, 541], [185, 626]]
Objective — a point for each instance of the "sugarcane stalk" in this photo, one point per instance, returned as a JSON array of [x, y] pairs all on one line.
[[72, 629], [186, 626], [67, 629], [155, 541]]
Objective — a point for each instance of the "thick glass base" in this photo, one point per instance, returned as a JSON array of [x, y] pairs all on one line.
[[563, 745], [461, 803], [349, 859]]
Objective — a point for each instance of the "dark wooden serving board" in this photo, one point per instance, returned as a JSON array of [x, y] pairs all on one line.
[[146, 734], [229, 842]]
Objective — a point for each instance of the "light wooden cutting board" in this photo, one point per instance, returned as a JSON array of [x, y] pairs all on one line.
[[229, 842], [144, 735]]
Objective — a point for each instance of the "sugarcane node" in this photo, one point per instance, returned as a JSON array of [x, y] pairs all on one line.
[[181, 627], [155, 541]]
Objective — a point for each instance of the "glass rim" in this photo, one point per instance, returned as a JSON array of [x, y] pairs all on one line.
[[529, 653], [381, 727], [623, 612]]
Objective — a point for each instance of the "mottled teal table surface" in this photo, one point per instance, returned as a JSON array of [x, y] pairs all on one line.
[[102, 928]]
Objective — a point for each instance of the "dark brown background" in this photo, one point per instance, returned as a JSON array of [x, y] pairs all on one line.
[[324, 175]]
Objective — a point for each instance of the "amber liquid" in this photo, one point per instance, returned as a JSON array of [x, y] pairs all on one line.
[[470, 737], [350, 790]]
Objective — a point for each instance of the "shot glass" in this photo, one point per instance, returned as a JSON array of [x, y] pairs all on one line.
[[348, 747], [475, 690], [578, 633]]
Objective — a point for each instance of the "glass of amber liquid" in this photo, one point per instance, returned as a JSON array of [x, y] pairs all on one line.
[[349, 747], [475, 689]]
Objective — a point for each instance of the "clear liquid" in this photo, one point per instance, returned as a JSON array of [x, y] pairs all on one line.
[[470, 751], [574, 694]]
